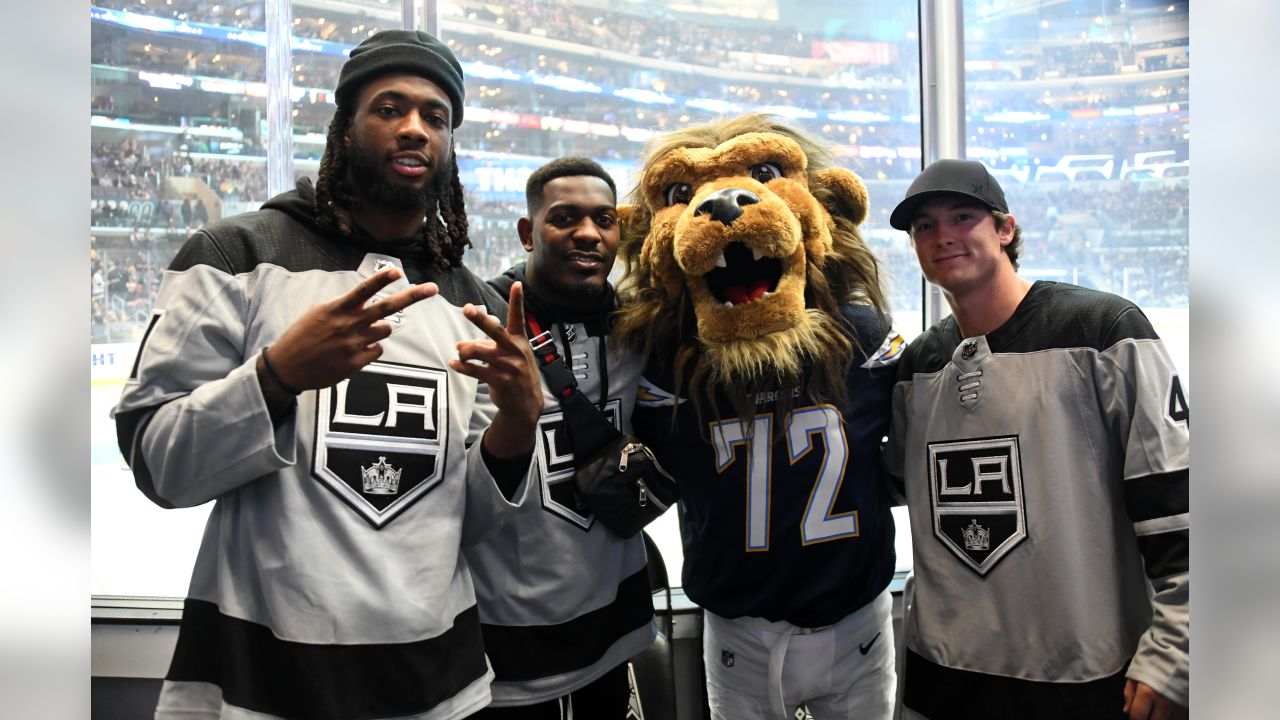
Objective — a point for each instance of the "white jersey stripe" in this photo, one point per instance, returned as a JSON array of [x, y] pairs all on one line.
[[1155, 526]]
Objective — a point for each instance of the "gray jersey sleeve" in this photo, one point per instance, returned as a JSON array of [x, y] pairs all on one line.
[[487, 508], [893, 460], [191, 420], [1142, 397]]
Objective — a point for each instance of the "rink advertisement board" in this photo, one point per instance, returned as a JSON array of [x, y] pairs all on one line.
[[110, 362]]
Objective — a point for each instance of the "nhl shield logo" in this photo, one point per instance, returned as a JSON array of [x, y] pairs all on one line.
[[976, 492], [727, 658], [556, 468], [378, 438]]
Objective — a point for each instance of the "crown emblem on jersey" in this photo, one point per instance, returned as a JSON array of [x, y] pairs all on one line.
[[976, 537], [969, 350], [380, 478]]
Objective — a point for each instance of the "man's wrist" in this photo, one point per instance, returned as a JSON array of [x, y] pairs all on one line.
[[275, 376], [280, 399]]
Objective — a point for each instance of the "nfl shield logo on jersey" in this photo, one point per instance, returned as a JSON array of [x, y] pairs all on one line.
[[378, 438], [975, 487]]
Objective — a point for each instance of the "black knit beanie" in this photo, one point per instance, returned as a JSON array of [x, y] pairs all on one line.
[[408, 51]]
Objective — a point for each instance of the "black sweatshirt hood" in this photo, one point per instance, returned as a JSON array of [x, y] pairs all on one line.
[[595, 316], [300, 204]]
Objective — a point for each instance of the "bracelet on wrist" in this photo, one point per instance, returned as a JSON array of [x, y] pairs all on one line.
[[266, 362]]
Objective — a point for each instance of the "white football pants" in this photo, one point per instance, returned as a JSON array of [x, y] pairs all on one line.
[[761, 670]]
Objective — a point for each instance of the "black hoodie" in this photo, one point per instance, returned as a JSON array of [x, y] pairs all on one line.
[[596, 317], [285, 233]]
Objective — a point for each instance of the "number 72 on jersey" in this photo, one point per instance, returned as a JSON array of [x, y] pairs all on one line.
[[802, 425]]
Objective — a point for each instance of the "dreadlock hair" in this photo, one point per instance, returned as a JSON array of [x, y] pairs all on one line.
[[445, 230]]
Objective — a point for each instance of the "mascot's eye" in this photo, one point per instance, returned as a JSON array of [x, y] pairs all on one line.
[[764, 172], [678, 194]]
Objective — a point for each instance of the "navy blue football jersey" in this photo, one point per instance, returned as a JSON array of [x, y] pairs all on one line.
[[783, 516]]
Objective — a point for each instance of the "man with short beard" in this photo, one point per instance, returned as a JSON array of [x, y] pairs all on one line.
[[564, 601], [324, 370]]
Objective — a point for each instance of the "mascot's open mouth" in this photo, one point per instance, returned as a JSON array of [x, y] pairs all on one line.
[[744, 277]]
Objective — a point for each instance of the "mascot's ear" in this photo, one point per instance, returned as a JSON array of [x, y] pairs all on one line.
[[848, 194]]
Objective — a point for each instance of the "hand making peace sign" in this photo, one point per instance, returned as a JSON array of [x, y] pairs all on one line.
[[332, 340], [505, 362]]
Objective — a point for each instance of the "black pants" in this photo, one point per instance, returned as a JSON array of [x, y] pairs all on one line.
[[604, 699], [940, 693]]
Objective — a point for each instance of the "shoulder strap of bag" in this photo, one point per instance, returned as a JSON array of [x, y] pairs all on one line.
[[589, 429]]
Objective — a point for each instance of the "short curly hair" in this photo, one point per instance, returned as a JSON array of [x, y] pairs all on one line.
[[571, 166]]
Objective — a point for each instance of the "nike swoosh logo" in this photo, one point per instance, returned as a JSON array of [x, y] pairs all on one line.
[[864, 649]]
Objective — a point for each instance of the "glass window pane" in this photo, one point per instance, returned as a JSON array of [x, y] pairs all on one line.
[[1082, 111], [581, 79], [549, 78], [330, 30], [544, 79], [178, 111]]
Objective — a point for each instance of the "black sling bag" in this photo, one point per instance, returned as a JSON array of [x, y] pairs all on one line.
[[617, 477]]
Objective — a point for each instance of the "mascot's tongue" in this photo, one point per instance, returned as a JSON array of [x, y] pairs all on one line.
[[739, 294]]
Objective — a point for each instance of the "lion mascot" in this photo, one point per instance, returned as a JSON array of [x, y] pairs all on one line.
[[766, 394]]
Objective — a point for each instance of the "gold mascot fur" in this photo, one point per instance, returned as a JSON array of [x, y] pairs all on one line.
[[740, 247]]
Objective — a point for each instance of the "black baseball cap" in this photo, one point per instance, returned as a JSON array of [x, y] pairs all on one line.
[[956, 177]]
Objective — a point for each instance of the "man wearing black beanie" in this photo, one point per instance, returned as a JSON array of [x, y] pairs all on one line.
[[325, 371]]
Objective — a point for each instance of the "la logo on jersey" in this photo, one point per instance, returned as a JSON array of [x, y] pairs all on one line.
[[976, 494], [556, 467], [378, 441]]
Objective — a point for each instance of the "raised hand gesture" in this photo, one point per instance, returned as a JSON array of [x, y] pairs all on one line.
[[332, 340], [505, 363]]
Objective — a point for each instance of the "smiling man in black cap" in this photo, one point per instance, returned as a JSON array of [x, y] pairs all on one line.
[[1040, 437], [325, 371]]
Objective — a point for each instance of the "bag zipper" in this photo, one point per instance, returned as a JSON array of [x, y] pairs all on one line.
[[626, 454], [645, 497], [640, 486]]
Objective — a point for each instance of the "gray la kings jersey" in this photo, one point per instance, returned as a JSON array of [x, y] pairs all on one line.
[[329, 581], [1046, 468], [563, 600]]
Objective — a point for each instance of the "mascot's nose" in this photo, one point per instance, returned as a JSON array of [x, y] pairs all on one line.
[[726, 205]]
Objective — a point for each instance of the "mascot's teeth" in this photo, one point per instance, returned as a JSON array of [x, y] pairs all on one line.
[[765, 294], [728, 304], [720, 261], [756, 254]]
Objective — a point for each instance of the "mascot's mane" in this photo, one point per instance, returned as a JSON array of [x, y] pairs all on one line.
[[811, 361]]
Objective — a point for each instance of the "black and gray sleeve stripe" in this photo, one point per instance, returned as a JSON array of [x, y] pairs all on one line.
[[1159, 507]]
